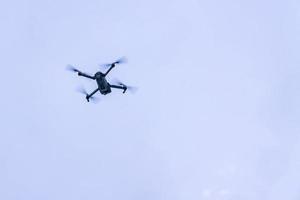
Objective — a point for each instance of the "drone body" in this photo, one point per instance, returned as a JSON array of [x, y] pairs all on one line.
[[102, 83], [103, 86]]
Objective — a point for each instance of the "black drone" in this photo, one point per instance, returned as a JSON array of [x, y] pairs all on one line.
[[104, 87]]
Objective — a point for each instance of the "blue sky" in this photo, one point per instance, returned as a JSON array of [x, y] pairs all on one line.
[[216, 115]]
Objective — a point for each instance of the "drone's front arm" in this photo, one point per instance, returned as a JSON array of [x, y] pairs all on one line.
[[112, 66], [85, 75]]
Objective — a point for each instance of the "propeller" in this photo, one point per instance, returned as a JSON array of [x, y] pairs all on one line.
[[92, 98], [119, 61], [71, 68], [132, 89]]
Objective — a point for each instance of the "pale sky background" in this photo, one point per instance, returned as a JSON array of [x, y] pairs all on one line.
[[216, 116]]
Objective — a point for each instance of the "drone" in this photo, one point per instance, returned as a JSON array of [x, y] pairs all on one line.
[[104, 87]]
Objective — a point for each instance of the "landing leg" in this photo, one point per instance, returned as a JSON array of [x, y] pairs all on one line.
[[122, 87]]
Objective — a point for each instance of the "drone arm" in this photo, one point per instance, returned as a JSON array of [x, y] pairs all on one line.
[[112, 66], [85, 75], [88, 96], [122, 87]]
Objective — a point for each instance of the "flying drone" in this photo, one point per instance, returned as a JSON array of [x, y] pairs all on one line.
[[104, 87]]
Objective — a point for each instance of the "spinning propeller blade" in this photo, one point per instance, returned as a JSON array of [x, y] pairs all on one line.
[[71, 68], [119, 61], [132, 89], [92, 98], [82, 91]]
